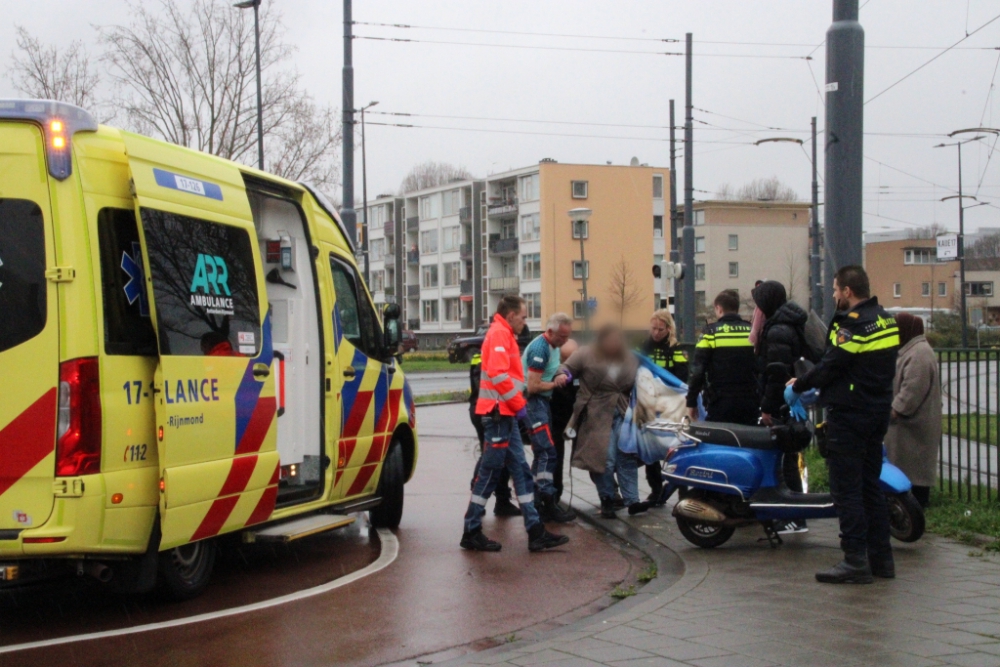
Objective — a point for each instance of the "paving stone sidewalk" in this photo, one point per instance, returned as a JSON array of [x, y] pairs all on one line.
[[748, 605]]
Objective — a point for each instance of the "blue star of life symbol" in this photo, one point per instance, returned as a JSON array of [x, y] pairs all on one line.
[[135, 287]]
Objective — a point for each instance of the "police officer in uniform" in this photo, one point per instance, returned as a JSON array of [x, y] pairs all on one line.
[[855, 381], [725, 367], [664, 351]]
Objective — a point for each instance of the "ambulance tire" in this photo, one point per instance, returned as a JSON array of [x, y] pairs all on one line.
[[390, 488], [185, 570]]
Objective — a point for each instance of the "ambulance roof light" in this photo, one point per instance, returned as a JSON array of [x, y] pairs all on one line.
[[59, 121]]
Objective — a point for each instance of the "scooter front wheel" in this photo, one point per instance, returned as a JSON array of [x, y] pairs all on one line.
[[906, 516], [704, 535]]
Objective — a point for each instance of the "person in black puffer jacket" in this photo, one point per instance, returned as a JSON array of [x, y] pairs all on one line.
[[782, 340]]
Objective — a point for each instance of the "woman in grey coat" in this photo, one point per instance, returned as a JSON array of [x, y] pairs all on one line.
[[915, 430], [606, 370]]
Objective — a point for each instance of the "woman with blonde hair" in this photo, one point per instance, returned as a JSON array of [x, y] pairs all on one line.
[[662, 347]]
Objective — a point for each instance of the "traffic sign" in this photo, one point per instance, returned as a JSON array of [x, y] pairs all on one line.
[[947, 246]]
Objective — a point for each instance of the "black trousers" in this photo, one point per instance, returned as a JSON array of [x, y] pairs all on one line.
[[502, 490], [734, 409], [855, 463]]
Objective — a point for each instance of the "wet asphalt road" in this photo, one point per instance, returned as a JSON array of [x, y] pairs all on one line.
[[435, 599]]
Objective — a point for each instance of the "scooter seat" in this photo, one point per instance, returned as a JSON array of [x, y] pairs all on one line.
[[734, 435]]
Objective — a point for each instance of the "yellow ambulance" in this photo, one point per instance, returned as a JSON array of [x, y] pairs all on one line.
[[187, 349]]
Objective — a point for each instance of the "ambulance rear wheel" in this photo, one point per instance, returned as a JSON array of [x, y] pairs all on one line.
[[390, 488], [185, 570]]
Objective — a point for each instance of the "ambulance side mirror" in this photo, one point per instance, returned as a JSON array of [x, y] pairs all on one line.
[[392, 331]]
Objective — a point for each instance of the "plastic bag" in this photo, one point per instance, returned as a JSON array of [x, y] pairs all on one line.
[[628, 432]]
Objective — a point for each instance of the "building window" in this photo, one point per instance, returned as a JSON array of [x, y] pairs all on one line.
[[919, 256], [925, 289], [578, 310], [531, 227], [377, 250], [508, 229], [581, 229], [452, 310], [533, 300], [452, 202], [699, 244], [734, 269], [452, 273], [429, 207], [657, 186], [699, 300], [451, 238], [429, 242], [699, 271], [531, 266], [578, 270], [897, 290], [580, 189], [657, 226], [979, 289], [529, 187], [699, 218], [431, 311], [942, 289], [378, 281], [430, 276], [734, 242], [508, 267]]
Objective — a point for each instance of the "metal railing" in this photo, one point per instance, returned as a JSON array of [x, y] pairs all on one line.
[[413, 291], [505, 284], [465, 287], [412, 256], [465, 215], [413, 223], [970, 411], [390, 259], [502, 207], [465, 251], [499, 246], [389, 229]]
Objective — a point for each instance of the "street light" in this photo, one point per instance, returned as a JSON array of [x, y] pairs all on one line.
[[364, 190], [579, 218], [247, 4], [980, 132]]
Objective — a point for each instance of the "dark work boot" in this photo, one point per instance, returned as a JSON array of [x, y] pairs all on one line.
[[617, 502], [638, 508], [853, 569], [607, 508], [539, 538], [504, 507], [550, 512], [655, 498], [883, 568], [477, 541]]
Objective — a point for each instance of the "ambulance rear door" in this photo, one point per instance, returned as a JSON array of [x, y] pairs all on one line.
[[29, 333], [215, 404]]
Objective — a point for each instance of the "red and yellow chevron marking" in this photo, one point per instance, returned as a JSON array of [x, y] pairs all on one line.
[[27, 440]]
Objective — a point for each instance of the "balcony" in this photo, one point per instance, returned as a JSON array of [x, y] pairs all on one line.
[[413, 223], [413, 291], [467, 322], [502, 207], [389, 229], [465, 251], [390, 291], [413, 257], [465, 215], [499, 246], [390, 260], [465, 287], [413, 325], [508, 284]]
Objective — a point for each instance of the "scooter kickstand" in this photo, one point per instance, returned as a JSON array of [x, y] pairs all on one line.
[[770, 535]]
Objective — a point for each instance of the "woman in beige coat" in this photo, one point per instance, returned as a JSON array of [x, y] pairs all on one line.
[[606, 370], [915, 430]]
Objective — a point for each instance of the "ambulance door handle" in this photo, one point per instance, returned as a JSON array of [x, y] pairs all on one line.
[[350, 372], [261, 370]]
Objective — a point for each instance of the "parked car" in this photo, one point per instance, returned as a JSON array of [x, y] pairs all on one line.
[[409, 342], [461, 349]]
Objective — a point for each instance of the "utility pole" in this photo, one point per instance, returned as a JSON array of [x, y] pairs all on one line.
[[688, 319], [347, 213], [815, 263], [961, 252], [845, 74], [364, 194], [674, 252], [260, 104]]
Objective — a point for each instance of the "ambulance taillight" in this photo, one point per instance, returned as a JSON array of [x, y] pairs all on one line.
[[78, 447]]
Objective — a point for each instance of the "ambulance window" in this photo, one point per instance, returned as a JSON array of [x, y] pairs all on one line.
[[358, 323], [128, 328], [22, 272], [204, 286]]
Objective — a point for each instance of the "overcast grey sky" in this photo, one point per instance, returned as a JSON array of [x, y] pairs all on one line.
[[953, 92]]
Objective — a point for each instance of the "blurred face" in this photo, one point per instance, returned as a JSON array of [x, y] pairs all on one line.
[[613, 345], [568, 348], [559, 336], [516, 319], [658, 330]]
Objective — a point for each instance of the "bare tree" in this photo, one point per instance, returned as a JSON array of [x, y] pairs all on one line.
[[726, 192], [766, 189], [42, 72], [795, 265], [928, 232], [623, 288], [431, 174], [986, 247]]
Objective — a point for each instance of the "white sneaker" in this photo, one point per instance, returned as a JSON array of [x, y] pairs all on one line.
[[790, 527]]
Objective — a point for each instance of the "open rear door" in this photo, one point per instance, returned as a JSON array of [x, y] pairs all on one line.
[[215, 405]]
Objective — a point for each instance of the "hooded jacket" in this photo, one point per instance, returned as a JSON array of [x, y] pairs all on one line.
[[781, 341]]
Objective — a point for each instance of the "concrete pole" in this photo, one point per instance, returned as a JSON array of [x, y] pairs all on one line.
[[688, 304], [347, 213], [675, 255], [961, 253], [364, 200], [845, 60], [260, 103], [815, 261]]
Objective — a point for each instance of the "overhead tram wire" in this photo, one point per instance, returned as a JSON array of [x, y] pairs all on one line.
[[982, 118], [517, 120]]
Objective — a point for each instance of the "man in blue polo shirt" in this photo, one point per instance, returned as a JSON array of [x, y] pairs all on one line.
[[541, 360]]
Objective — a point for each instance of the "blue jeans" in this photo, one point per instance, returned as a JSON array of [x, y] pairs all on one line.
[[626, 466], [503, 448], [544, 465]]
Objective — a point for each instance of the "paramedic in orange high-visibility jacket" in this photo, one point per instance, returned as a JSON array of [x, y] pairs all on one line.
[[502, 405]]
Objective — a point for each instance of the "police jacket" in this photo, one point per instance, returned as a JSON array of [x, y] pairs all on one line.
[[666, 356], [781, 341], [859, 364], [724, 363], [475, 373]]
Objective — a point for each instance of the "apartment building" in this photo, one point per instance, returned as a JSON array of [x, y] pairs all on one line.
[[447, 254], [740, 242]]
